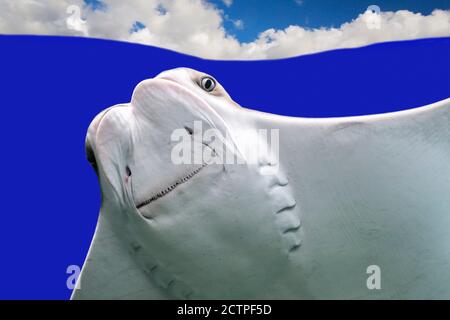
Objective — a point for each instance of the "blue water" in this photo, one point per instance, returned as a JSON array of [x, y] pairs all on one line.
[[52, 87]]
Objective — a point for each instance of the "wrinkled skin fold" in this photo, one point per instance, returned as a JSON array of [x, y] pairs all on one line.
[[347, 193]]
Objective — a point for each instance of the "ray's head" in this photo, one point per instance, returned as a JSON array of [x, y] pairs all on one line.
[[158, 165], [202, 84], [152, 145]]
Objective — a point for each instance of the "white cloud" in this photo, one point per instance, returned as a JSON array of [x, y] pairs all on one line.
[[299, 2], [196, 27], [238, 23], [228, 3]]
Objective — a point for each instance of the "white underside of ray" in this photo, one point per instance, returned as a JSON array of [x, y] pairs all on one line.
[[372, 190]]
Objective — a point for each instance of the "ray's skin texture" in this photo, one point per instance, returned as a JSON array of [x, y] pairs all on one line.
[[348, 193]]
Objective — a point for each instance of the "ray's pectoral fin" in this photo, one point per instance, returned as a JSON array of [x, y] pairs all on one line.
[[374, 190], [112, 270]]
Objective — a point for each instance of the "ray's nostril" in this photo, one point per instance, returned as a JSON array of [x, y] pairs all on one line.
[[128, 171], [189, 130]]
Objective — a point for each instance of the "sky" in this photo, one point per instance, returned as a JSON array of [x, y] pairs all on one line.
[[232, 29], [257, 15]]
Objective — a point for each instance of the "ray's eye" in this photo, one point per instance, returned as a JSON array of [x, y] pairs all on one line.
[[208, 84]]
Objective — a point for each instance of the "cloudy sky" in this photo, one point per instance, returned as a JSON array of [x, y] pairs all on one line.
[[232, 29]]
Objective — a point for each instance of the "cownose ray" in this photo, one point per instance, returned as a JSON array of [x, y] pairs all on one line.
[[345, 195]]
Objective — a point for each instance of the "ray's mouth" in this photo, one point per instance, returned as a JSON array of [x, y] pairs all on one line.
[[172, 187]]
